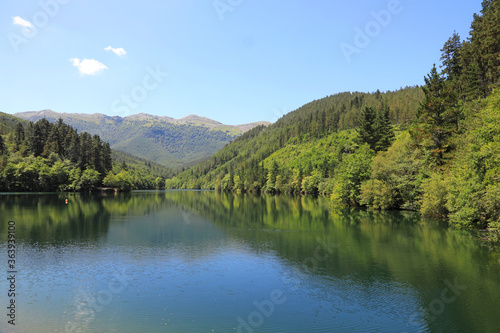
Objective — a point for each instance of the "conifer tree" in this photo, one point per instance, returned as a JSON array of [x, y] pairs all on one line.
[[450, 57], [437, 117], [18, 136], [74, 148], [367, 128], [384, 131], [106, 157], [35, 139]]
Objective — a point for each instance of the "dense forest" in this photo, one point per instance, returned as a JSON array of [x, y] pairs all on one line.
[[315, 121], [435, 149], [44, 156]]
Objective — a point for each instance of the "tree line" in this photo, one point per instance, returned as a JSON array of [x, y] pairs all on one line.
[[45, 156]]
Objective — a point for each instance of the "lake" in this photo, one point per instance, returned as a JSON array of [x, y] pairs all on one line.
[[199, 261]]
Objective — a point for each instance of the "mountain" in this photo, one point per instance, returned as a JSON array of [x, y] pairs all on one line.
[[167, 141]]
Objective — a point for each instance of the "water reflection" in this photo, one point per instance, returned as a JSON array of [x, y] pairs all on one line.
[[206, 257], [370, 248]]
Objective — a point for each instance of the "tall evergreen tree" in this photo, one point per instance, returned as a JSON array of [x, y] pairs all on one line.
[[437, 117], [74, 148], [53, 143], [485, 38], [450, 57], [85, 150], [95, 156], [367, 128], [384, 131], [471, 78], [18, 136], [106, 157], [35, 139]]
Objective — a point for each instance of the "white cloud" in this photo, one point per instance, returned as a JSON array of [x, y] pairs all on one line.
[[119, 51], [22, 22], [88, 66]]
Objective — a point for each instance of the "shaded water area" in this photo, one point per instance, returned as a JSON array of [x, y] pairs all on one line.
[[195, 261]]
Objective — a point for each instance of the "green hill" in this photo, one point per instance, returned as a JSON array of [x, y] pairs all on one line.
[[314, 121], [170, 142], [9, 122]]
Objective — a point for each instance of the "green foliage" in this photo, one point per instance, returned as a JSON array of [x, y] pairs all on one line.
[[159, 183], [89, 180], [121, 181], [8, 123], [402, 169], [141, 165], [473, 197], [310, 183], [377, 194], [350, 174], [437, 118], [433, 203], [367, 128], [375, 128], [384, 130]]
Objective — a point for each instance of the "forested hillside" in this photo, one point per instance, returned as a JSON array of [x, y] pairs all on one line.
[[313, 122], [170, 142], [435, 149], [43, 156]]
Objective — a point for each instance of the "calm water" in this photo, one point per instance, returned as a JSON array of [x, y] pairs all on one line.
[[185, 261]]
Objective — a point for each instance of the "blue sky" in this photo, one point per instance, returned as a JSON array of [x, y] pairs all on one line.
[[235, 61]]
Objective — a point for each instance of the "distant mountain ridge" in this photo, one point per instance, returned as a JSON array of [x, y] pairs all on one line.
[[170, 142]]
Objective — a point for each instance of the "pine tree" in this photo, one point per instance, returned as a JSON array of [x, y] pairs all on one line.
[[35, 139], [437, 117], [450, 57], [95, 155], [53, 144], [485, 38], [74, 148], [106, 157], [471, 74], [384, 131], [367, 128], [85, 150], [19, 136]]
